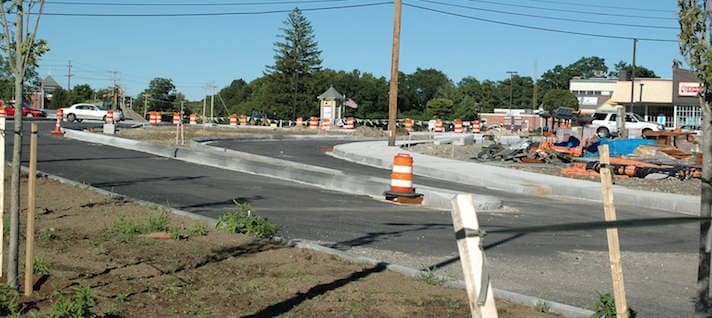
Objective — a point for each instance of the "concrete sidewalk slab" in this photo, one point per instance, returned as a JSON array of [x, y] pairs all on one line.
[[378, 154]]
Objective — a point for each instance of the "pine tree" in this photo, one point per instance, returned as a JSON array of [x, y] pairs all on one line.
[[296, 59]]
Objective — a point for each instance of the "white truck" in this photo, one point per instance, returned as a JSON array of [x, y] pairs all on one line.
[[605, 124]]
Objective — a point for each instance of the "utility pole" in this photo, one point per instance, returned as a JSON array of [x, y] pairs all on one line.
[[212, 103], [393, 90], [511, 89], [536, 87], [114, 93], [145, 105], [205, 99], [632, 77], [69, 75]]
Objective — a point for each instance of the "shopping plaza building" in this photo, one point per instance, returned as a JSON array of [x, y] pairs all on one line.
[[671, 102]]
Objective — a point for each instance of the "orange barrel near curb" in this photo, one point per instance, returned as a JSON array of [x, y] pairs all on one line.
[[233, 120], [243, 120], [402, 174], [193, 119], [458, 126], [57, 127], [109, 118], [476, 127], [313, 123], [326, 123], [176, 118], [349, 123], [155, 118], [439, 126], [300, 122], [408, 124]]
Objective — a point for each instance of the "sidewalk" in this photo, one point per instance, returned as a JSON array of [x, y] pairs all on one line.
[[378, 154]]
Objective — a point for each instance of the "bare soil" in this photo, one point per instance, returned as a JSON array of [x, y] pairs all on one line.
[[469, 153], [217, 275]]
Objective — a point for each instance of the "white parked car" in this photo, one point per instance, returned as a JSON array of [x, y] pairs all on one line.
[[605, 124], [79, 112]]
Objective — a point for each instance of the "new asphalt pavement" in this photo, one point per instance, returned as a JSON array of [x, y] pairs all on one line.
[[568, 267]]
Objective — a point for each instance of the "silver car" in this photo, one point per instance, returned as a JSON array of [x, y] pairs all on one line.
[[79, 112]]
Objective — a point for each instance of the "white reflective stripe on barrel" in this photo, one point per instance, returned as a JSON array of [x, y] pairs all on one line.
[[401, 183], [403, 169]]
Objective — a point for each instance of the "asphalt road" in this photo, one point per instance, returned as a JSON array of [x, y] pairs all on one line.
[[535, 264]]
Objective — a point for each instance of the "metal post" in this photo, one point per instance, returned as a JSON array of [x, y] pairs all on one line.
[[640, 99], [393, 90], [31, 191], [632, 77]]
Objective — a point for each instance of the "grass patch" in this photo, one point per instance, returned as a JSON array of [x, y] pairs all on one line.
[[127, 230], [429, 277], [186, 233], [77, 302], [40, 266], [542, 306], [244, 221], [605, 307], [8, 301]]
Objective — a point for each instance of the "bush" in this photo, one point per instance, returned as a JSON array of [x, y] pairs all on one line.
[[77, 303], [8, 301], [243, 221], [185, 233], [40, 266]]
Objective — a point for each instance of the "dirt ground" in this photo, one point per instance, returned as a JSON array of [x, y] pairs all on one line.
[[469, 152], [219, 274], [167, 134]]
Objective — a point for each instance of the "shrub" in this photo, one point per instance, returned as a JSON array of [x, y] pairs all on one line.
[[8, 300], [77, 303], [605, 307], [243, 221], [40, 266], [185, 233]]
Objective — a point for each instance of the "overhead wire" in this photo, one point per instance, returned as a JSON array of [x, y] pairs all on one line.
[[603, 6], [575, 11], [524, 26], [194, 14], [550, 17], [178, 4]]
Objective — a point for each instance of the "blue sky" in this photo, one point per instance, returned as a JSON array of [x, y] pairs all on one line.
[[194, 51]]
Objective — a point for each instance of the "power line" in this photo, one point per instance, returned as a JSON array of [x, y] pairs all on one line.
[[159, 4], [575, 11], [536, 27], [550, 17], [209, 13], [603, 6]]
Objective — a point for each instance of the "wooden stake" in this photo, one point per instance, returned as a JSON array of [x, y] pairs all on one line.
[[464, 219], [614, 252], [2, 191], [30, 236]]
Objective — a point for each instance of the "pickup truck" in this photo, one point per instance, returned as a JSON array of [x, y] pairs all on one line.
[[605, 124]]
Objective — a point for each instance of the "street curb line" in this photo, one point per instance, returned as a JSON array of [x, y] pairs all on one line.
[[555, 307], [281, 169], [531, 183]]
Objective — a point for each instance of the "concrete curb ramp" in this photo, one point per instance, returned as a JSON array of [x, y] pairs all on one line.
[[282, 169], [563, 309], [378, 154]]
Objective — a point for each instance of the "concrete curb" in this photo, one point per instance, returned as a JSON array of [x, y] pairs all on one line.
[[516, 181], [281, 169], [563, 309]]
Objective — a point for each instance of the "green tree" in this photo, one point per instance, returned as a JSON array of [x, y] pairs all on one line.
[[297, 57], [81, 93], [624, 70], [559, 76], [695, 41], [160, 94], [416, 89], [440, 108], [556, 98], [60, 98]]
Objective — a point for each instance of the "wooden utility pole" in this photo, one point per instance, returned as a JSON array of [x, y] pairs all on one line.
[[632, 77], [69, 75], [464, 219], [145, 105], [614, 249], [114, 91], [393, 90], [31, 192]]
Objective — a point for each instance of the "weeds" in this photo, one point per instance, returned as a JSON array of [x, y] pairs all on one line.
[[244, 221], [126, 230], [605, 307], [8, 301], [111, 199], [542, 306], [186, 233], [429, 277], [40, 266], [46, 235], [77, 303]]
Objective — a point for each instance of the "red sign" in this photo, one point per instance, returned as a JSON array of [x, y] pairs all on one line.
[[691, 89]]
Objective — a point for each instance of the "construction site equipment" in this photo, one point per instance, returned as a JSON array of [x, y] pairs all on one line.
[[313, 123], [402, 189], [57, 127], [458, 126], [439, 126], [633, 168], [349, 123], [408, 124]]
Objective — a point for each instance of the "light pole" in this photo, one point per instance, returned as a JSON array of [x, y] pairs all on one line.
[[640, 99]]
